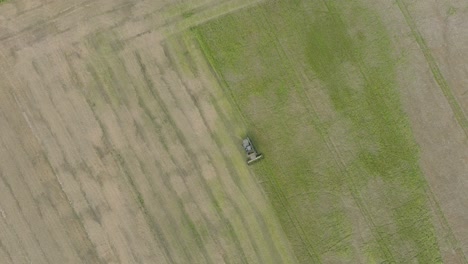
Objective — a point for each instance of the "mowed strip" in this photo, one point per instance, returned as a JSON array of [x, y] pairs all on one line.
[[141, 154], [316, 84]]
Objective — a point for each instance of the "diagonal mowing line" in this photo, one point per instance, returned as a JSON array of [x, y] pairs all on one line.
[[438, 76], [207, 15]]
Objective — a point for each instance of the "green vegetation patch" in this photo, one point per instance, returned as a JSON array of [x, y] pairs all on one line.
[[316, 84]]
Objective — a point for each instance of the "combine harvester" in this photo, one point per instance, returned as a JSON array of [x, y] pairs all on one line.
[[252, 154]]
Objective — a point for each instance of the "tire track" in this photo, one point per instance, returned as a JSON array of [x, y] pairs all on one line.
[[445, 225], [458, 111], [354, 190], [331, 146], [339, 161]]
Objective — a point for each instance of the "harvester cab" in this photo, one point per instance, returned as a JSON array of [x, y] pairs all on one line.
[[252, 154]]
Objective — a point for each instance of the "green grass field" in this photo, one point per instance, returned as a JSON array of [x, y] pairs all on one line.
[[315, 85]]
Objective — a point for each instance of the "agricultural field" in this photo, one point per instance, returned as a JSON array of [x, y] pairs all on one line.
[[121, 125]]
